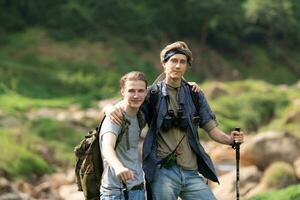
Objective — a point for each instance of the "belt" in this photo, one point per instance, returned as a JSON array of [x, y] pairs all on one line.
[[138, 187]]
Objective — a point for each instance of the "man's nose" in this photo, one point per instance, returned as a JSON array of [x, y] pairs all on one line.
[[136, 94], [177, 65]]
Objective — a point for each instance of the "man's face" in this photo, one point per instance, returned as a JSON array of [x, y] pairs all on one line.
[[134, 93], [175, 67]]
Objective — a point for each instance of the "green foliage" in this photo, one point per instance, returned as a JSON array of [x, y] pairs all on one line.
[[249, 109], [277, 20], [221, 24], [52, 130], [58, 136], [16, 160], [11, 101], [290, 193], [39, 68]]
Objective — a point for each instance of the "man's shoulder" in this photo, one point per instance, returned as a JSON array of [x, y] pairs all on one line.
[[109, 126]]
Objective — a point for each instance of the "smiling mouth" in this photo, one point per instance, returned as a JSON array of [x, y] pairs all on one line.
[[135, 101]]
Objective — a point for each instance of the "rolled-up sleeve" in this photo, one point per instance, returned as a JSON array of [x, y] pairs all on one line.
[[207, 117]]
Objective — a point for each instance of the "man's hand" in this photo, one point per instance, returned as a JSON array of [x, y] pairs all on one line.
[[195, 86], [124, 173], [237, 137], [114, 113]]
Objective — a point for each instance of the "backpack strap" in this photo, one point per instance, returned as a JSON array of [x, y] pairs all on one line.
[[141, 120], [124, 130], [195, 101]]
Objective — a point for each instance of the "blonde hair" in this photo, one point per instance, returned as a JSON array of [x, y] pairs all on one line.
[[132, 76], [179, 45]]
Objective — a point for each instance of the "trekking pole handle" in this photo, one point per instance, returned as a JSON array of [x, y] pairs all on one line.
[[238, 129], [236, 144]]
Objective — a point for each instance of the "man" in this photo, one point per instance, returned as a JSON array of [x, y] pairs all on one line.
[[123, 177], [174, 161]]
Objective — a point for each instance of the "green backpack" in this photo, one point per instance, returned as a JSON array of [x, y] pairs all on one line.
[[89, 163]]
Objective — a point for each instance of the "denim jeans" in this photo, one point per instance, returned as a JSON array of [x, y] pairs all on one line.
[[178, 182], [132, 195]]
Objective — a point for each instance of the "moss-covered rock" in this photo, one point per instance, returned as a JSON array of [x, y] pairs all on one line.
[[279, 175]]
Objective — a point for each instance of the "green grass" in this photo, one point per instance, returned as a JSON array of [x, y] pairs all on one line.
[[12, 101], [35, 66], [17, 160], [249, 104], [259, 64], [28, 145], [289, 193], [61, 137]]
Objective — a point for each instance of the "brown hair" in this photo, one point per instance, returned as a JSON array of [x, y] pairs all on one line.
[[132, 76], [179, 45]]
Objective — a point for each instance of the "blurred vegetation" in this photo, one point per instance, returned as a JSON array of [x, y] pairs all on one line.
[[290, 193], [279, 175], [18, 159], [55, 54], [217, 23]]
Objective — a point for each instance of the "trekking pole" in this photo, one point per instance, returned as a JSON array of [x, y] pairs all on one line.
[[236, 146]]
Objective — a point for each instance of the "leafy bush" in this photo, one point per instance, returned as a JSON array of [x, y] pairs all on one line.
[[60, 137], [17, 161], [249, 110]]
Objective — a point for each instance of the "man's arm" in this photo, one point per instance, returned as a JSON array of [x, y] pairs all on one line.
[[114, 113], [108, 150], [221, 137]]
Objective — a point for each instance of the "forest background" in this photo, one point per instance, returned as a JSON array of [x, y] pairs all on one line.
[[69, 54]]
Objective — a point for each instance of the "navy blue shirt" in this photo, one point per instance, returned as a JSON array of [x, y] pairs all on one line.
[[154, 118]]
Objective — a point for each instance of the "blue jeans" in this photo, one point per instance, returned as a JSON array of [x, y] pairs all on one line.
[[177, 182], [132, 195]]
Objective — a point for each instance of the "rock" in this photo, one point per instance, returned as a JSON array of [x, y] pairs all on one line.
[[105, 102], [69, 192], [9, 122], [24, 187], [298, 84], [277, 176], [9, 191], [249, 178], [220, 153], [226, 188], [4, 185], [265, 148], [293, 117], [216, 91], [297, 167], [11, 196]]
